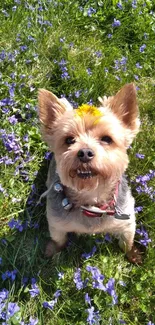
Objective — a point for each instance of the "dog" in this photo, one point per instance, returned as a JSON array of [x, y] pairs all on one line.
[[87, 189]]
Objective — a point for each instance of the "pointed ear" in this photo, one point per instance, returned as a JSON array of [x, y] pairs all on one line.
[[50, 108], [124, 105]]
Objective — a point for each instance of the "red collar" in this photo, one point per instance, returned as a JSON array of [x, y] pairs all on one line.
[[98, 211]]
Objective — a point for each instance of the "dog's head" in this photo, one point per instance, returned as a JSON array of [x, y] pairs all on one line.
[[89, 143]]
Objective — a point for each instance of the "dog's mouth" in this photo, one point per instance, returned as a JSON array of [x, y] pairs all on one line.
[[85, 174]]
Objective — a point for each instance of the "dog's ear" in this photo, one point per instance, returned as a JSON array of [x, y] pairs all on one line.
[[124, 105], [51, 107]]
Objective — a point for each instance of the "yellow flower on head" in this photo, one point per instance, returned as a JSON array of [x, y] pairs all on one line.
[[88, 109]]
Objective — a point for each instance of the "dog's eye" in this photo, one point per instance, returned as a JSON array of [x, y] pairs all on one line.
[[69, 140], [106, 139]]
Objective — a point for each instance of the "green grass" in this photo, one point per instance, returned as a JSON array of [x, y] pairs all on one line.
[[75, 37]]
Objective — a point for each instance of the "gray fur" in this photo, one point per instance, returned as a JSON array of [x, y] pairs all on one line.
[[62, 221]]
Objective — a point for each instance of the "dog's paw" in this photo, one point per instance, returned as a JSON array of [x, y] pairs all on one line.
[[135, 256], [52, 248]]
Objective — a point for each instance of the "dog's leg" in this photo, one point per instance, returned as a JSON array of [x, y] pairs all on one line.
[[57, 242], [126, 243]]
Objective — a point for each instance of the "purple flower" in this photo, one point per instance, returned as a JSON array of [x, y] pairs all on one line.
[[4, 293], [12, 119], [143, 233], [116, 23], [109, 35], [134, 4], [142, 48], [17, 224], [139, 155], [77, 279], [9, 275], [87, 299], [48, 155], [150, 323], [23, 48], [33, 321], [90, 11], [12, 309], [89, 71], [97, 277], [90, 254], [138, 65], [49, 304], [34, 291], [98, 54], [52, 303], [57, 293], [138, 209], [60, 275], [119, 5], [93, 316], [111, 290], [0, 260], [77, 93]]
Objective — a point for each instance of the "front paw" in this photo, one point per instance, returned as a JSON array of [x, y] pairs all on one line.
[[134, 255], [52, 248]]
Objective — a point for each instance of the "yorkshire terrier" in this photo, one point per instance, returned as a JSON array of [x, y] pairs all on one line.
[[87, 190]]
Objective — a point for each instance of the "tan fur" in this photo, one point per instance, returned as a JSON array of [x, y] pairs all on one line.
[[119, 121]]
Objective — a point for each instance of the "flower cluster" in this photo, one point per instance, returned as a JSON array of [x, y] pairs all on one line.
[[143, 184], [145, 240], [98, 278], [22, 225]]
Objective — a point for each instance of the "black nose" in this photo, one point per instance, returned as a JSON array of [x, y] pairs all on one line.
[[85, 155]]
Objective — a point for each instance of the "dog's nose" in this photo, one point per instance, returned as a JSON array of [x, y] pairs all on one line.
[[85, 154]]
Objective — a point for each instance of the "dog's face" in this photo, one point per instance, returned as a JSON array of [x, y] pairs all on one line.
[[90, 143]]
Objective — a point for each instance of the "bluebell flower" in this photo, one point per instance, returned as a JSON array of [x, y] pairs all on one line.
[[142, 48], [4, 293], [12, 119], [98, 54], [33, 321], [119, 5], [51, 304], [89, 71], [57, 293], [77, 279], [87, 299], [150, 323], [90, 254], [9, 275], [97, 277], [48, 155], [134, 4], [12, 309], [139, 155], [144, 234], [138, 65], [90, 11], [109, 35], [138, 209], [110, 288], [23, 48], [93, 316], [116, 23], [34, 291]]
